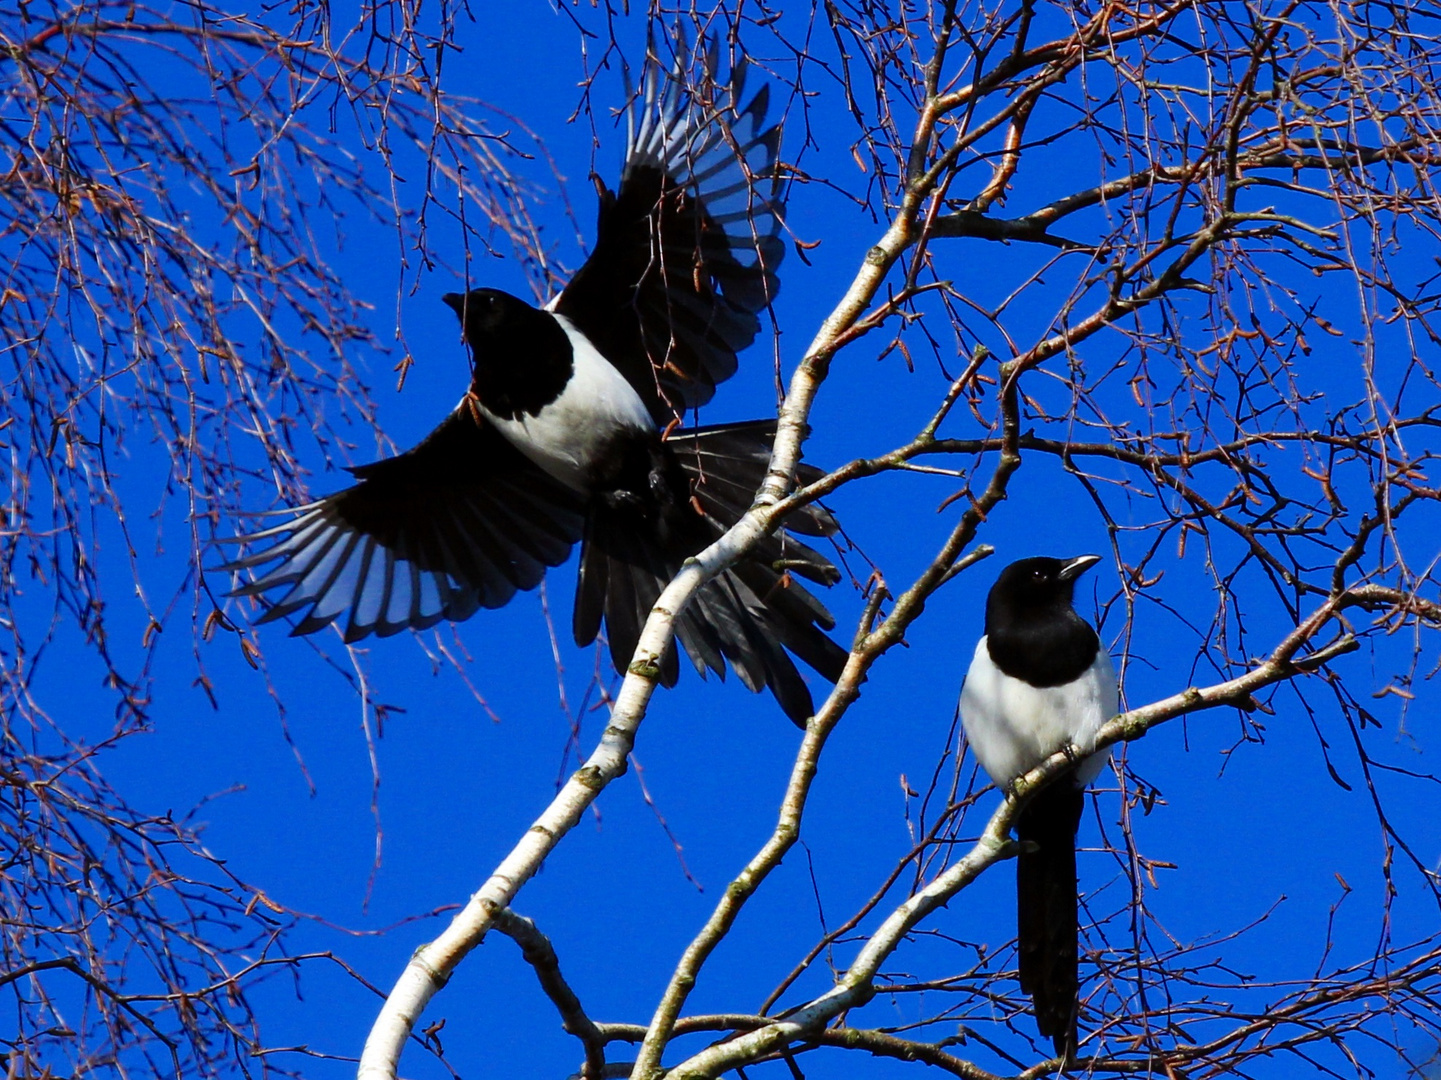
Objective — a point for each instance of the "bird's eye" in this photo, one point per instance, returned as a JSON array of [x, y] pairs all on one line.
[[1038, 575]]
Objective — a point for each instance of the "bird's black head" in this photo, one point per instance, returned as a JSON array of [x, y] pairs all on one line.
[[1032, 631], [1040, 584], [522, 357], [488, 315]]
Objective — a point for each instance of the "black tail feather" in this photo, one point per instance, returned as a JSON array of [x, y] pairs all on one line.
[[749, 615], [702, 641], [727, 464], [1046, 895]]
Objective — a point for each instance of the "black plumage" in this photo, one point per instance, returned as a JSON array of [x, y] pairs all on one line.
[[457, 523]]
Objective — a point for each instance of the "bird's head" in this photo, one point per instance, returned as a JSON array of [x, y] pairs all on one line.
[[1041, 582], [488, 316]]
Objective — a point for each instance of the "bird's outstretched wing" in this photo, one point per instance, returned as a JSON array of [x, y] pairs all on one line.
[[460, 522], [755, 614], [690, 244]]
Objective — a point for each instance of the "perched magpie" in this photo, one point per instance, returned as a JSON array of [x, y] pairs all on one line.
[[1041, 682], [567, 431]]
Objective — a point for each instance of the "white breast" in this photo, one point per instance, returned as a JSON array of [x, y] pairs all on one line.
[[1013, 726], [577, 428]]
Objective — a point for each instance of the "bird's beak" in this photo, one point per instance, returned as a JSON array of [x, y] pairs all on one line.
[[1074, 568], [456, 302]]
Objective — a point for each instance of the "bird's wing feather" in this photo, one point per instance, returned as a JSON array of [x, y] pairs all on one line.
[[688, 247], [460, 522], [1102, 684]]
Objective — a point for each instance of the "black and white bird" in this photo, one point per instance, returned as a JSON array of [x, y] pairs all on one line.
[[1040, 682], [567, 431]]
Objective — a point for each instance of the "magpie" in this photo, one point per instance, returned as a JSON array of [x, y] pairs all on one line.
[[568, 431], [1041, 682]]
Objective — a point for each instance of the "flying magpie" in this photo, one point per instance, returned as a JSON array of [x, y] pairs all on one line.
[[1041, 682], [568, 430]]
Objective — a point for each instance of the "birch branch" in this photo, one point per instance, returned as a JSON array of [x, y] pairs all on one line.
[[539, 953]]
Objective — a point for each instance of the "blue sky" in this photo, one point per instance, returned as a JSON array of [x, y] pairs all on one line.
[[1254, 828]]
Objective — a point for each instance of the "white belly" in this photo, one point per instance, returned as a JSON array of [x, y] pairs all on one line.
[[1013, 726], [575, 430]]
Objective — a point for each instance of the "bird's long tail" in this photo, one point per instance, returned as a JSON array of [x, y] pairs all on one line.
[[1047, 909], [755, 614]]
